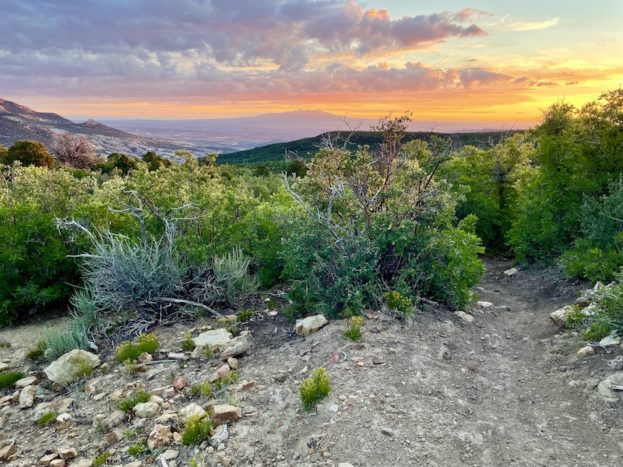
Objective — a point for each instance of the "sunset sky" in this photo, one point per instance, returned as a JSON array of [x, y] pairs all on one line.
[[491, 61]]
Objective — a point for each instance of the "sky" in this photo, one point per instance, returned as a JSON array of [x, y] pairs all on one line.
[[494, 63]]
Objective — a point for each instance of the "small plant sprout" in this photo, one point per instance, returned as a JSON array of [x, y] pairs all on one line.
[[145, 343], [196, 430], [400, 303], [188, 344], [138, 397], [353, 331], [314, 389], [203, 389], [46, 419]]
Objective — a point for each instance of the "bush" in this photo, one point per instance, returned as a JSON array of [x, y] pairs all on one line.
[[398, 302], [29, 153], [102, 459], [138, 449], [46, 419], [8, 378], [188, 344], [196, 430], [225, 381], [203, 389], [131, 351], [314, 389], [138, 397], [353, 331]]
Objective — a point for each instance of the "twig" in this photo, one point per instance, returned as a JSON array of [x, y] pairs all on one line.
[[191, 303]]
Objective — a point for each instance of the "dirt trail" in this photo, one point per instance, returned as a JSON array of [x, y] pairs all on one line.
[[505, 389]]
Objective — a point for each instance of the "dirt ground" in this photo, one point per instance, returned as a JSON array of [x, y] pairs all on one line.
[[506, 389]]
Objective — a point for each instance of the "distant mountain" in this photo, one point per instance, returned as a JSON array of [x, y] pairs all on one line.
[[18, 122], [307, 147]]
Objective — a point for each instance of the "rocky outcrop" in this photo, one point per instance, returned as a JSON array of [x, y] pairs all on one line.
[[71, 367]]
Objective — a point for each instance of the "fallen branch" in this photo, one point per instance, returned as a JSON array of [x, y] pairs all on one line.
[[191, 303]]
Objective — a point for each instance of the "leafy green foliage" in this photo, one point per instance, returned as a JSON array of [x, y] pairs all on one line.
[[316, 388], [102, 459], [46, 419], [137, 397], [8, 378], [138, 449], [155, 162], [196, 430], [353, 331], [203, 389], [29, 153], [145, 343], [188, 344], [225, 381], [398, 302]]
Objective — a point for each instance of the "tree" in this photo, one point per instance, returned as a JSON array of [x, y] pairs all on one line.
[[155, 162], [3, 154], [29, 153], [121, 162], [75, 151]]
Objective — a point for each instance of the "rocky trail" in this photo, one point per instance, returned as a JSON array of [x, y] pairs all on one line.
[[496, 385]]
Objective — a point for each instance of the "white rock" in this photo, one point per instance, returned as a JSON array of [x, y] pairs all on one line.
[[464, 316], [27, 397], [559, 316], [169, 454], [310, 324], [604, 389], [160, 437], [483, 304], [216, 338], [71, 366], [220, 435], [586, 351], [238, 346], [27, 381], [511, 271], [191, 410], [146, 409], [612, 339]]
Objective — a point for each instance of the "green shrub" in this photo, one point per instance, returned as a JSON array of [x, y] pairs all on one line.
[[225, 381], [203, 389], [137, 397], [314, 389], [595, 332], [102, 459], [8, 378], [610, 300], [575, 318], [29, 153], [46, 419], [37, 351], [353, 331], [137, 449], [145, 343], [188, 344], [196, 430], [244, 316]]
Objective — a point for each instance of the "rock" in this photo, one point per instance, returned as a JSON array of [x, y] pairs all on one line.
[[223, 371], [27, 381], [82, 463], [191, 410], [559, 316], [616, 363], [145, 357], [233, 363], [159, 437], [71, 367], [134, 464], [225, 413], [333, 408], [310, 324], [57, 463], [223, 459], [180, 382], [169, 454], [605, 391], [114, 437], [27, 397], [114, 419], [217, 338], [146, 409], [464, 316], [586, 351], [612, 339], [483, 304], [238, 346], [4, 366], [246, 385], [7, 452], [45, 460], [68, 453], [511, 271], [344, 464], [388, 432], [220, 435], [177, 356], [64, 421]]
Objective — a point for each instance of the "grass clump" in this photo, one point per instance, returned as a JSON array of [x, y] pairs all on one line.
[[316, 388], [244, 316], [37, 351], [203, 389], [8, 378], [138, 449], [353, 331], [575, 318], [196, 429], [138, 397], [102, 459], [46, 419], [188, 344], [596, 332], [145, 343], [225, 381], [398, 302]]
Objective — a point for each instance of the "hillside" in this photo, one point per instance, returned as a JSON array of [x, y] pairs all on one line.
[[307, 147], [18, 122]]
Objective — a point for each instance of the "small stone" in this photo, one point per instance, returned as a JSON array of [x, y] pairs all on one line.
[[225, 413], [238, 346], [233, 363], [483, 304], [99, 397], [218, 338], [170, 454], [388, 432], [64, 420], [464, 316], [82, 463], [45, 460], [223, 459], [177, 356], [27, 381], [309, 325], [223, 371], [71, 366], [114, 437], [145, 357], [27, 397], [68, 453], [559, 316], [333, 408], [159, 437], [220, 435], [146, 409], [586, 351], [344, 464], [57, 463], [606, 391], [7, 452], [378, 360], [191, 410], [511, 271], [179, 383], [246, 385], [114, 419]]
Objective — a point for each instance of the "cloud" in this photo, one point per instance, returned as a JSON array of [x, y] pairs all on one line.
[[521, 26], [233, 33]]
